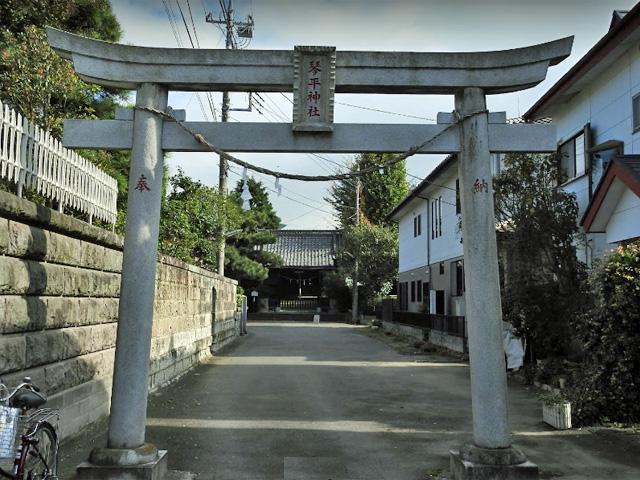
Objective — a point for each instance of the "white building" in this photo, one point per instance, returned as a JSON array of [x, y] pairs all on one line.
[[431, 264], [596, 107]]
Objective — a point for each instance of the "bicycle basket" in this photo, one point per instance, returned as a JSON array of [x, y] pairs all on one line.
[[9, 428]]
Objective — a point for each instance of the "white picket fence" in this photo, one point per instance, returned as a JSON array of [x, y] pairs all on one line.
[[34, 159]]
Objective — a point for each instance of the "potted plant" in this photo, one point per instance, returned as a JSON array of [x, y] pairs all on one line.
[[556, 410]]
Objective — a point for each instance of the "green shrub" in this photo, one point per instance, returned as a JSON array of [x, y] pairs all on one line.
[[609, 384]]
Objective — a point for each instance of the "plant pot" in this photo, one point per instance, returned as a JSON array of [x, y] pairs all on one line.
[[557, 415]]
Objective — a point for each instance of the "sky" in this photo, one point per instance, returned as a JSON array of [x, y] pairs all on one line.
[[364, 25]]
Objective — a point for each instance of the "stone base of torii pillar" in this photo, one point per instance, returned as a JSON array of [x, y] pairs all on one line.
[[475, 463], [144, 463]]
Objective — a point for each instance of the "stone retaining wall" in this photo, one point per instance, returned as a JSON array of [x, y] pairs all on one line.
[[59, 289]]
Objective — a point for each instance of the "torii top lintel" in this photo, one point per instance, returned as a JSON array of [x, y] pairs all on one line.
[[125, 66]]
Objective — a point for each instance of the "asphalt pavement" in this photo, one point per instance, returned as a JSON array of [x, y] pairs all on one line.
[[293, 401]]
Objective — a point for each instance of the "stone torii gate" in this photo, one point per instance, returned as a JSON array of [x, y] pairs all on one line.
[[314, 74]]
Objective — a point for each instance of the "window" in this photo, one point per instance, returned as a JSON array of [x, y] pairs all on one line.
[[573, 158], [417, 225], [635, 103], [436, 218], [413, 291], [441, 268], [402, 295], [457, 278], [601, 156], [419, 291]]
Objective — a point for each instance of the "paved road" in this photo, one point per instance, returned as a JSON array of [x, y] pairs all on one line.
[[303, 401]]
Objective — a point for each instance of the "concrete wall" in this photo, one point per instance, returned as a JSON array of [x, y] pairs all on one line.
[[59, 289], [456, 344]]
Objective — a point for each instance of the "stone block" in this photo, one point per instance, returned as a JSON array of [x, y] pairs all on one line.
[[61, 376], [44, 348], [4, 235], [92, 311], [62, 312], [79, 282], [26, 241], [103, 336], [63, 250], [14, 276], [107, 284], [112, 260], [12, 353], [92, 256], [76, 341], [24, 313]]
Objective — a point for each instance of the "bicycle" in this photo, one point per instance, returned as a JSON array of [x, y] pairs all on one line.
[[28, 439]]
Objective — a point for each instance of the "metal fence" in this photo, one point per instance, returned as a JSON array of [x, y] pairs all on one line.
[[33, 159], [449, 324], [300, 304]]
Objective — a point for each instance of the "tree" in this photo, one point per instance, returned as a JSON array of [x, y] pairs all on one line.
[[194, 220], [381, 191], [376, 249], [243, 260], [44, 88], [607, 386], [33, 78], [542, 277]]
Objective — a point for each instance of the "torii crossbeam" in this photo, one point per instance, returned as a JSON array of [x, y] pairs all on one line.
[[152, 72]]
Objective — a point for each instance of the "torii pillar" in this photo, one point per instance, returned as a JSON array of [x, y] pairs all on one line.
[[468, 76]]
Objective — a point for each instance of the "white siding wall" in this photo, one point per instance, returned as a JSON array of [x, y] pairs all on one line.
[[624, 222], [413, 250], [607, 105], [446, 246]]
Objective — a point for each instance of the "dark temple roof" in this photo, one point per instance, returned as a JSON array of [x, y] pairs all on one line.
[[308, 249]]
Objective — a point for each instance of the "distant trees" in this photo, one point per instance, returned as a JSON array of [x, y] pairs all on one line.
[[372, 241], [243, 261], [381, 190]]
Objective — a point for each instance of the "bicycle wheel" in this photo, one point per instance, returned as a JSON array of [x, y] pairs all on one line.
[[41, 454]]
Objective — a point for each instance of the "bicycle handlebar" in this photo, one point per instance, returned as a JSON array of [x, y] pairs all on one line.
[[26, 383]]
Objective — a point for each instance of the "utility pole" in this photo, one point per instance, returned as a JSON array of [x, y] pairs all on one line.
[[245, 30], [354, 291]]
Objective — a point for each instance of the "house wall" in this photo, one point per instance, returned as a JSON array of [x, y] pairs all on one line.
[[625, 221], [605, 103], [420, 256], [59, 289], [413, 250]]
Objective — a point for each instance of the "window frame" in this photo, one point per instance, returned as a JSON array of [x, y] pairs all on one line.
[[635, 113], [585, 133]]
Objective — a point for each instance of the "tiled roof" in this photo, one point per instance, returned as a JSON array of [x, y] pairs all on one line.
[[306, 248]]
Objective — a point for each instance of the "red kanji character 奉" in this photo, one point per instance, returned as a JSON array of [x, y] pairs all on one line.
[[314, 82], [314, 67], [142, 184], [313, 97], [313, 112]]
